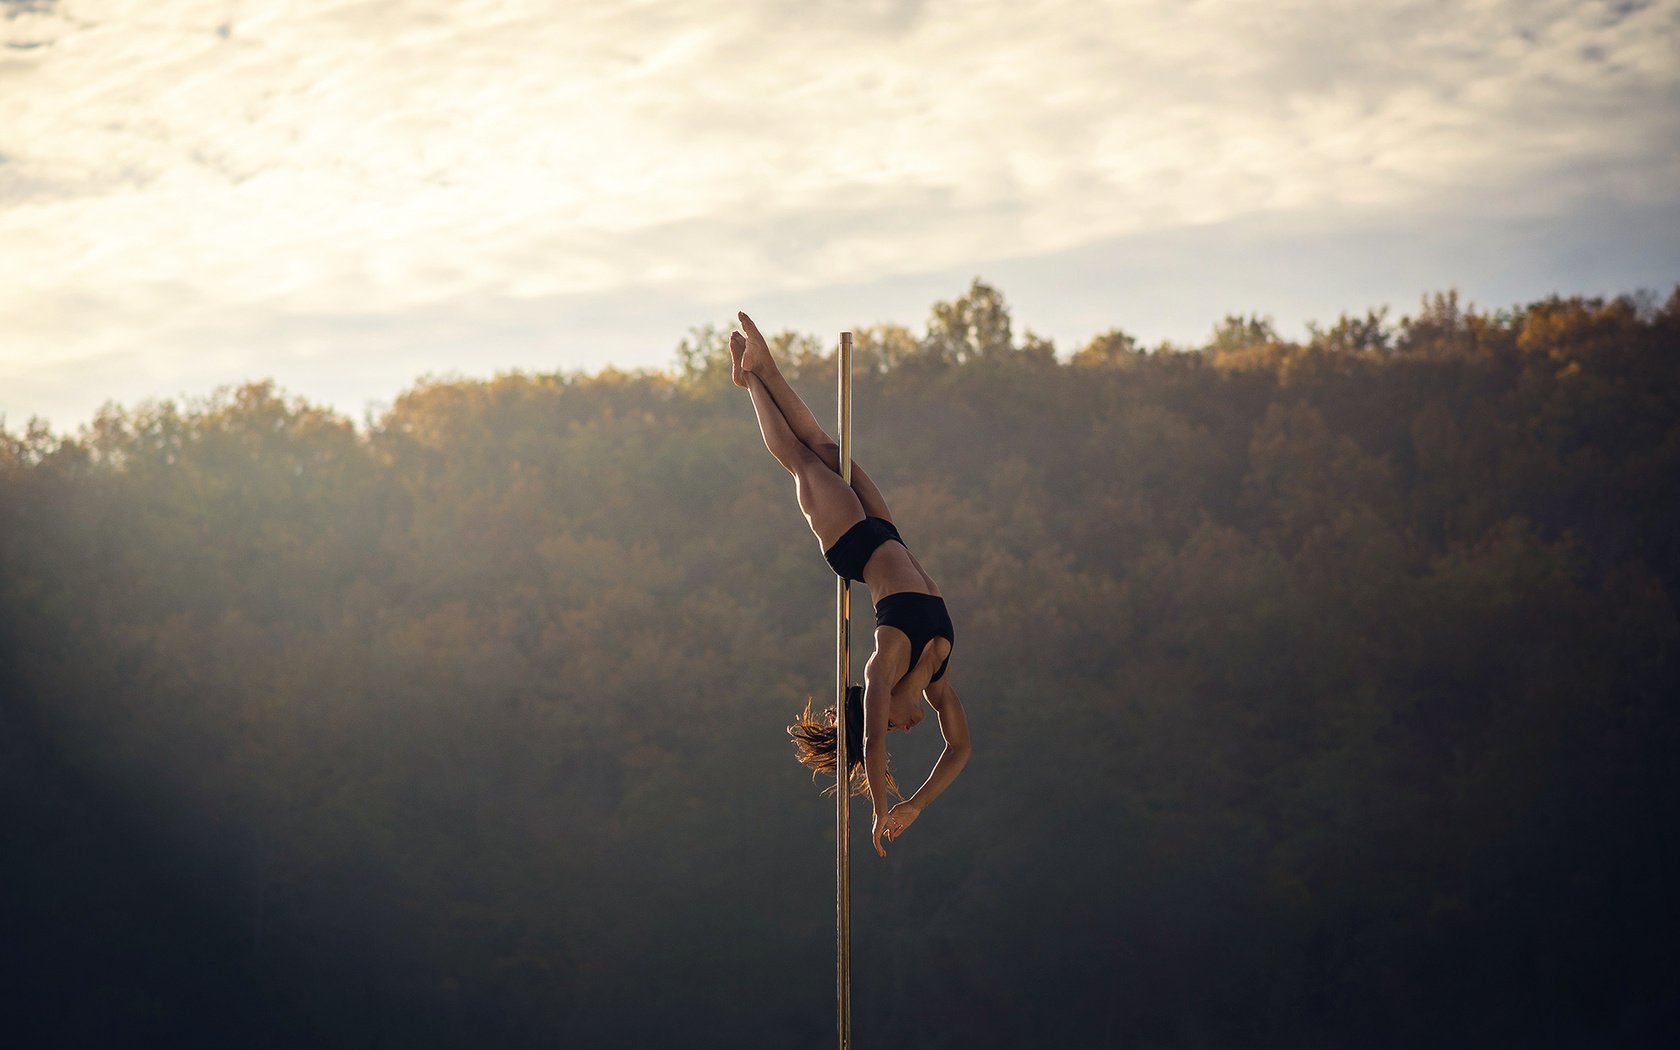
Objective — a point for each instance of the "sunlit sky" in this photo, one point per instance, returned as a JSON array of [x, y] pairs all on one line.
[[345, 195]]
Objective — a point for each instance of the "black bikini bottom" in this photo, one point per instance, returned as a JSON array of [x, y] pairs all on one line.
[[851, 552]]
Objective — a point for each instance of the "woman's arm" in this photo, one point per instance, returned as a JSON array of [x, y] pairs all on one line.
[[879, 674], [953, 725]]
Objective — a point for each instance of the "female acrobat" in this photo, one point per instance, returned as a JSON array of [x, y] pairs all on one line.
[[913, 633]]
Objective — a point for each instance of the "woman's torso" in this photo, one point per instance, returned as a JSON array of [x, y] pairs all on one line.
[[892, 569]]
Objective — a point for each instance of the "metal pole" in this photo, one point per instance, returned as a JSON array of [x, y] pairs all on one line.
[[842, 792]]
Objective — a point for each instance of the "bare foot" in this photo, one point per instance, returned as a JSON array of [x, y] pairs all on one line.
[[737, 347], [757, 356]]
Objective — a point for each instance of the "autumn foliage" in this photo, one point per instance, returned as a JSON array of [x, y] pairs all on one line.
[[1323, 693]]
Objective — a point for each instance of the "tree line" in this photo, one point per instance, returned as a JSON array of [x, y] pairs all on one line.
[[1322, 691]]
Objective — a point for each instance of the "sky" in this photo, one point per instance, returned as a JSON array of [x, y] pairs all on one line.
[[344, 196]]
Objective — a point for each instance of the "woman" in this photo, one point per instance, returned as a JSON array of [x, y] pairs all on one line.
[[913, 633]]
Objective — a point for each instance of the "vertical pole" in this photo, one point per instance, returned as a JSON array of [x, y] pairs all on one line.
[[842, 793]]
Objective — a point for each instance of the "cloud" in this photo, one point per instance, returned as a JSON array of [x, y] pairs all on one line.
[[168, 170]]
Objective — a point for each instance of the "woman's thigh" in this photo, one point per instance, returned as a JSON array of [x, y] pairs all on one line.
[[829, 504]]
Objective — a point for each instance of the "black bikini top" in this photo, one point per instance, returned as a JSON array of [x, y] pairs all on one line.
[[922, 618]]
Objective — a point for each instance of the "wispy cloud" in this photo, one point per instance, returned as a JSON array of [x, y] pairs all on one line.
[[187, 176]]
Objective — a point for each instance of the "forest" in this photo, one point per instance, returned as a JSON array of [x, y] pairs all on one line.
[[1323, 693]]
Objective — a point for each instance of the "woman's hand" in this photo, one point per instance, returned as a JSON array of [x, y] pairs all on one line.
[[896, 822]]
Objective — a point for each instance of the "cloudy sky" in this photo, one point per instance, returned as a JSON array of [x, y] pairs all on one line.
[[345, 195]]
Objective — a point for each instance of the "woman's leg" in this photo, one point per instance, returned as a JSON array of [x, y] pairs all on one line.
[[779, 438], [751, 355], [754, 355], [829, 505]]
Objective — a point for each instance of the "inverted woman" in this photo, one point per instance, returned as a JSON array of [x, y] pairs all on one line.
[[913, 632]]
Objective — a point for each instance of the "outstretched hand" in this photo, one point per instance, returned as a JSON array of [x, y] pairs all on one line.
[[895, 823]]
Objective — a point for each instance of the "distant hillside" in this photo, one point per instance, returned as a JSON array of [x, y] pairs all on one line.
[[1323, 693]]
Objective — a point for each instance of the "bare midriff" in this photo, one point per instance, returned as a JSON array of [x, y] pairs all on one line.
[[891, 569]]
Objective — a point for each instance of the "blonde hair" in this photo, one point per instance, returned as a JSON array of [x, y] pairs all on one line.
[[814, 745]]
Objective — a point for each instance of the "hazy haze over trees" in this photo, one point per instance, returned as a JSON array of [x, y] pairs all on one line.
[[1323, 693]]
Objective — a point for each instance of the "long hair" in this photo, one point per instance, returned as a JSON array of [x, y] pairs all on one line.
[[814, 745]]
